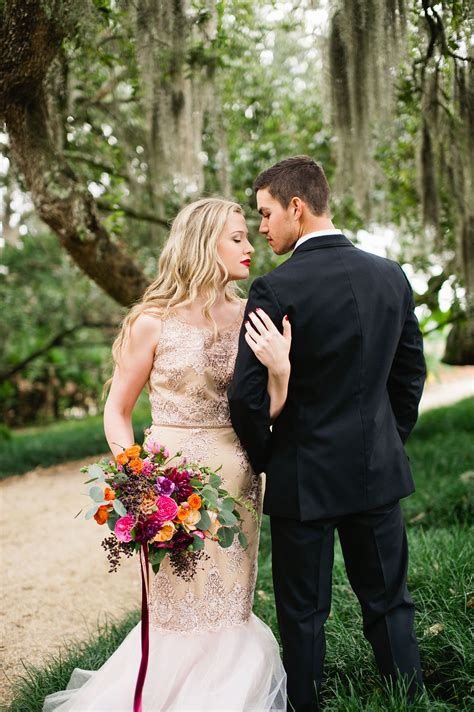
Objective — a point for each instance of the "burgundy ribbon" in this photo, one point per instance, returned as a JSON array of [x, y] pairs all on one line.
[[137, 700]]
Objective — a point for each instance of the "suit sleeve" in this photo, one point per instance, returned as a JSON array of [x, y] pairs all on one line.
[[408, 373], [248, 398]]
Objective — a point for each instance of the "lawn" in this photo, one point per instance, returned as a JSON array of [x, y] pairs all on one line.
[[65, 440], [439, 518]]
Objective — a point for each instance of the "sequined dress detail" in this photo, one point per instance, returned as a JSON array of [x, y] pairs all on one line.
[[188, 395], [208, 651]]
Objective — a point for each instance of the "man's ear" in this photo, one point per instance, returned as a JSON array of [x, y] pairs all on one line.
[[296, 207]]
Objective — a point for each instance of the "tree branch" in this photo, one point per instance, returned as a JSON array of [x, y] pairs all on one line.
[[55, 341], [105, 167], [31, 40], [460, 316], [134, 214]]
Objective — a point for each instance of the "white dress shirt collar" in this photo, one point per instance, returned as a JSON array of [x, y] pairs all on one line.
[[316, 233]]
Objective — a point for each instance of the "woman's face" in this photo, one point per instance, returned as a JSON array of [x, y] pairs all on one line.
[[234, 248]]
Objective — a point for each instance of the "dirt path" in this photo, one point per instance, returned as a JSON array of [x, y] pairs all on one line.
[[55, 584], [455, 384], [55, 581]]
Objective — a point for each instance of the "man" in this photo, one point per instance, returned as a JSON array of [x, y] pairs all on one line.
[[335, 458]]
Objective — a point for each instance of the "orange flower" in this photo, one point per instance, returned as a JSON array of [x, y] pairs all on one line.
[[133, 452], [182, 513], [109, 494], [194, 501], [215, 524], [166, 532], [191, 520], [122, 458], [101, 515], [136, 466]]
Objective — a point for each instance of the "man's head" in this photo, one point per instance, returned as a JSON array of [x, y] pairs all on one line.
[[292, 198]]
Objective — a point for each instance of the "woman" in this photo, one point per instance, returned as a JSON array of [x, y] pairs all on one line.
[[207, 650]]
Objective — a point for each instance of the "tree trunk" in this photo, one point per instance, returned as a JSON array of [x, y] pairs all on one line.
[[460, 343], [30, 41], [177, 88]]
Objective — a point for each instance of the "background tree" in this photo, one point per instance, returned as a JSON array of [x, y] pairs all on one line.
[[118, 113], [402, 79]]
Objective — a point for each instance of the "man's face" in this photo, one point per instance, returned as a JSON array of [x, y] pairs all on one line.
[[278, 224]]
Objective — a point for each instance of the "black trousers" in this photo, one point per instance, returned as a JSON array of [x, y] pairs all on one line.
[[375, 550]]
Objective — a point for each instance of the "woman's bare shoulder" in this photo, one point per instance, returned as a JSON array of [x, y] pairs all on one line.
[[146, 327]]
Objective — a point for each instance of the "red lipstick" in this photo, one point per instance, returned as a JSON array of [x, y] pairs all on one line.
[[247, 263]]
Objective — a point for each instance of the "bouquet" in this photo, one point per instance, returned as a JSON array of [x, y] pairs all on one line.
[[167, 505]]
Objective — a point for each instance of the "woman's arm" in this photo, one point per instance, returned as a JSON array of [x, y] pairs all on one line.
[[130, 376], [272, 349]]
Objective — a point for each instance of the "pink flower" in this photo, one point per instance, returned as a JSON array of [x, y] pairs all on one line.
[[123, 528], [152, 446], [199, 533], [167, 508], [148, 467]]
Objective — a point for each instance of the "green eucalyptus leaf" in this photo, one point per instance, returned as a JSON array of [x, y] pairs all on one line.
[[195, 482], [119, 508], [226, 517], [111, 520], [214, 480], [205, 521], [96, 471], [198, 543], [243, 540], [92, 511], [156, 556], [225, 536], [96, 493]]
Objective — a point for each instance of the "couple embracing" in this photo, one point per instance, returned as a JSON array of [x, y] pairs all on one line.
[[315, 381]]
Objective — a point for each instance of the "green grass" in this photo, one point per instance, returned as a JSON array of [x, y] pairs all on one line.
[[36, 683], [65, 440], [441, 553]]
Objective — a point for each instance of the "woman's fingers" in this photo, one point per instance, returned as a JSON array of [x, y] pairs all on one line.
[[251, 342], [257, 323], [286, 328], [253, 333], [266, 319]]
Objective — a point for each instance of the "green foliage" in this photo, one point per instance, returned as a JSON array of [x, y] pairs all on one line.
[[442, 455], [50, 306], [441, 556], [269, 98], [37, 683], [67, 440]]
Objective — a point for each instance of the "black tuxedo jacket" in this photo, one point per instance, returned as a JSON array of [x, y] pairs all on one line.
[[357, 374]]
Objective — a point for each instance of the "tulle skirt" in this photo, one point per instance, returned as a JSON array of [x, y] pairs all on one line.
[[236, 669]]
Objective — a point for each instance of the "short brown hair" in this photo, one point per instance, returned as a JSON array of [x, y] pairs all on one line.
[[299, 177]]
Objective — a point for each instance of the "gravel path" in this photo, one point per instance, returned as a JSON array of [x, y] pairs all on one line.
[[55, 584], [55, 581]]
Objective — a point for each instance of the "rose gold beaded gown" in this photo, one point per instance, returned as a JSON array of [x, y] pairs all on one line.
[[208, 651]]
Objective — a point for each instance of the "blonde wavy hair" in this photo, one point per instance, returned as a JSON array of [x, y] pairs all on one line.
[[189, 266]]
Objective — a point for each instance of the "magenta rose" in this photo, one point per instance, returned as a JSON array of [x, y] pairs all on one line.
[[123, 528], [167, 508]]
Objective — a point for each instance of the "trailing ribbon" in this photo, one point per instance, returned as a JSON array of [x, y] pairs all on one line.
[[137, 700]]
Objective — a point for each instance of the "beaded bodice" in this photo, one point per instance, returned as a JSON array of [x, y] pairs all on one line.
[[190, 374]]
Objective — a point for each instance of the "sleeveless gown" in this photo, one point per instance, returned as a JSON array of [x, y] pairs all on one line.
[[208, 651]]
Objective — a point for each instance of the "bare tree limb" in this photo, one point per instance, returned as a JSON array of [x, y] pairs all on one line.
[[451, 320], [57, 340], [135, 214], [101, 165]]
